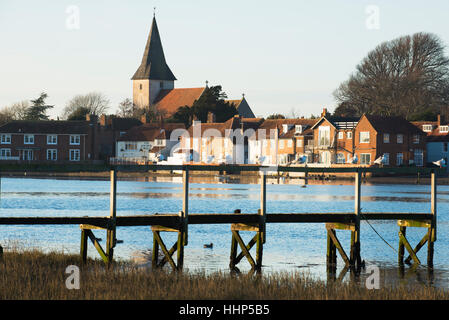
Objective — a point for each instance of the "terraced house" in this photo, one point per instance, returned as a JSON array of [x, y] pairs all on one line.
[[47, 141]]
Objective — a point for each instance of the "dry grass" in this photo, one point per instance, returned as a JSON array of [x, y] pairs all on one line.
[[34, 275]]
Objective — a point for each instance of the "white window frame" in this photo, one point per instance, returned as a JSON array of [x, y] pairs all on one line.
[[5, 152], [300, 143], [340, 158], [52, 152], [444, 129], [400, 138], [75, 139], [281, 144], [386, 159], [416, 139], [6, 138], [73, 153], [427, 128], [51, 141], [418, 152], [362, 156], [28, 139], [340, 135], [399, 159], [364, 137], [386, 138], [289, 143]]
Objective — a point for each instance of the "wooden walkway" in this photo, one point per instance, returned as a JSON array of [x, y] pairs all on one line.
[[252, 222]]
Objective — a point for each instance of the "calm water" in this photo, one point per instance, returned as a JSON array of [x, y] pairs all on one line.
[[289, 247]]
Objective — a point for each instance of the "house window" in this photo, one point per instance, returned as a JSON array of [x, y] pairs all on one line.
[[419, 157], [28, 139], [298, 128], [427, 128], [281, 144], [131, 146], [364, 137], [27, 155], [444, 129], [299, 143], [5, 153], [161, 142], [400, 138], [416, 138], [340, 158], [290, 143], [386, 160], [365, 158], [324, 136], [340, 135], [349, 135], [52, 154], [140, 86], [399, 159], [74, 155], [52, 139], [6, 139], [386, 138], [75, 139]]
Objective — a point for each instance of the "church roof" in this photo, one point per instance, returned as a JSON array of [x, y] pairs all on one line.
[[153, 64], [169, 100]]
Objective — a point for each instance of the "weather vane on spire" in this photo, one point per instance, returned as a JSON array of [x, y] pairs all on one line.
[[154, 12]]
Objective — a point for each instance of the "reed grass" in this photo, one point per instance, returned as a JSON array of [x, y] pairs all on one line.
[[36, 275]]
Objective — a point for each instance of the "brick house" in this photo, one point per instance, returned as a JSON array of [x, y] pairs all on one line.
[[47, 141], [332, 139], [437, 139], [398, 140]]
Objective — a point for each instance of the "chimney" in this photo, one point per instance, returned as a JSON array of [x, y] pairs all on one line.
[[103, 120], [440, 120], [324, 113], [211, 118]]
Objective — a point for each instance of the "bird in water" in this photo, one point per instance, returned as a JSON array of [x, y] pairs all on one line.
[[209, 246]]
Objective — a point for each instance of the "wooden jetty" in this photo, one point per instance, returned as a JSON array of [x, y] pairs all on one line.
[[251, 222]]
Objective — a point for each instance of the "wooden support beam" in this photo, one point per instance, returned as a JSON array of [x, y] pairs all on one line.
[[170, 252], [111, 232], [164, 250], [97, 245], [249, 246], [185, 205], [83, 246], [418, 247], [402, 231], [243, 248], [407, 246], [263, 205], [155, 253], [433, 228], [355, 258], [339, 247]]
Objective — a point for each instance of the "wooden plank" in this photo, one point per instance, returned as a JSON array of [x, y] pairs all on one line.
[[414, 223], [263, 204], [91, 227], [433, 206], [402, 231], [249, 246], [341, 226], [180, 251], [155, 253], [185, 206], [407, 246], [163, 229], [259, 250], [245, 227]]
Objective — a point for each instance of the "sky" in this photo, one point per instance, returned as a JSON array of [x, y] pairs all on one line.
[[285, 56]]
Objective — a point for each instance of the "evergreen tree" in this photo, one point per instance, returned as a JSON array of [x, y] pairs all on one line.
[[38, 109]]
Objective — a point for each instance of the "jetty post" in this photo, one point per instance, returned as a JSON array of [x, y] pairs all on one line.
[[259, 239], [181, 228], [111, 241], [430, 236]]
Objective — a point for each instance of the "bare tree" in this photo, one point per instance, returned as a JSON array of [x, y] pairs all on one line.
[[16, 111], [406, 77], [126, 109], [95, 102]]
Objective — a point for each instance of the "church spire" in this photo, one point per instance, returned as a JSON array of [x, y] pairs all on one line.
[[153, 64]]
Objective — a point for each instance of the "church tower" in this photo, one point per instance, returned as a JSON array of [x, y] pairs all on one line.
[[153, 75]]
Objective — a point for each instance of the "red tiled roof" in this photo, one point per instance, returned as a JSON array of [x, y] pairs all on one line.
[[151, 131], [168, 101]]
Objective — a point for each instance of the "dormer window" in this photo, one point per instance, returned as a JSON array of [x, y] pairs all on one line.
[[298, 128], [444, 129], [427, 128], [285, 128]]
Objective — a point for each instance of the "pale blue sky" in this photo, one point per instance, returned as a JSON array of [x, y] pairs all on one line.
[[284, 55]]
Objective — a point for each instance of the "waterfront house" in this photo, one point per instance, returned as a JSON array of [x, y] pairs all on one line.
[[47, 142], [437, 139], [333, 139], [394, 139]]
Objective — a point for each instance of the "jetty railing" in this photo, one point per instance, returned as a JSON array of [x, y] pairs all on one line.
[[252, 222]]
